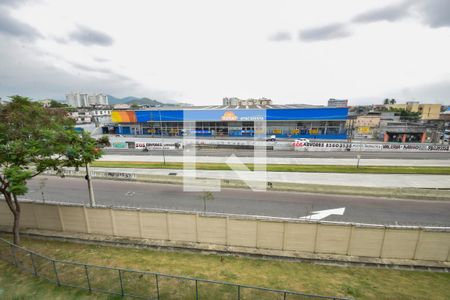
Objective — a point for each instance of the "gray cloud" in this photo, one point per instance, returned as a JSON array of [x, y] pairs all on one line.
[[435, 13], [12, 3], [327, 32], [89, 37], [29, 71], [87, 68], [100, 70], [12, 27], [101, 59], [389, 13], [434, 92], [438, 92], [280, 36]]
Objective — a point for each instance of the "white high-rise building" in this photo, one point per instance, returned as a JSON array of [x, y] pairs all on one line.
[[77, 99], [85, 100], [102, 99]]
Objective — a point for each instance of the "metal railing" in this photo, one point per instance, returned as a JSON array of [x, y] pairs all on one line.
[[133, 283]]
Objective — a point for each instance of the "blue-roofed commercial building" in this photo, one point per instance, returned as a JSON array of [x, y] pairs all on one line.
[[283, 121]]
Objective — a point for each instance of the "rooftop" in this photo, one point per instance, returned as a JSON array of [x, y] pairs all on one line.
[[240, 107]]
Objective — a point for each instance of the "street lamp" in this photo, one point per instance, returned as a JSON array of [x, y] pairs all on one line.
[[162, 137], [90, 187]]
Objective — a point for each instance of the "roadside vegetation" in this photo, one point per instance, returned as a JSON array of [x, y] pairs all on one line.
[[283, 167], [352, 282], [34, 139]]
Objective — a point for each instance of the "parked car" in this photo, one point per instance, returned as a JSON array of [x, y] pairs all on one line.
[[272, 138], [446, 136], [302, 140]]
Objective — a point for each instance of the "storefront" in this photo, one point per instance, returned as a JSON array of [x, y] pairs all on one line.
[[313, 123]]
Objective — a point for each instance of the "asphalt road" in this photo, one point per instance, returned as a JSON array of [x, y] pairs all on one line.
[[249, 153], [240, 201]]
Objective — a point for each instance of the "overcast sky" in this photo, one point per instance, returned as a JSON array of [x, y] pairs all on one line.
[[201, 51]]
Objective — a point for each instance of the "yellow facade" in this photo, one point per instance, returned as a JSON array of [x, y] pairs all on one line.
[[371, 121], [428, 111], [364, 130]]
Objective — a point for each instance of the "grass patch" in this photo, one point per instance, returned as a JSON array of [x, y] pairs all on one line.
[[353, 282], [283, 167]]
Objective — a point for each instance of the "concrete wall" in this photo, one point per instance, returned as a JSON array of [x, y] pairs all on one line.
[[235, 233]]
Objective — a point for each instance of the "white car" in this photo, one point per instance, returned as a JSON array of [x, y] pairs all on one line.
[[302, 140]]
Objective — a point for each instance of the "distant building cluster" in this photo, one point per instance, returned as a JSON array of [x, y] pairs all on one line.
[[86, 100], [404, 122], [388, 121], [91, 115], [248, 102], [337, 102]]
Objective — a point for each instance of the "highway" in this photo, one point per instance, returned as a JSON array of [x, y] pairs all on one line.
[[242, 201], [271, 153]]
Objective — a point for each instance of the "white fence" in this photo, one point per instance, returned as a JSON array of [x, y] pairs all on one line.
[[369, 147]]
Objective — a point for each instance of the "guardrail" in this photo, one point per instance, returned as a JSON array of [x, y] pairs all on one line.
[[133, 283]]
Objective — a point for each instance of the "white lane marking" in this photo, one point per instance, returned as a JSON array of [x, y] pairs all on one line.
[[322, 214]]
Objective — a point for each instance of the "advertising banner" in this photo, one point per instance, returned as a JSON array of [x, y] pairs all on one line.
[[156, 145], [285, 114], [366, 147]]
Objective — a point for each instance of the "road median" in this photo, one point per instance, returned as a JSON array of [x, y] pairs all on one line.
[[283, 168]]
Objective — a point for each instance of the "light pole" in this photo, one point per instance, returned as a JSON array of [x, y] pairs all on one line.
[[91, 189], [162, 137]]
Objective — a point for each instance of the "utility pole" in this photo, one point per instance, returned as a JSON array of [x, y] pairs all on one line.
[[162, 137], [91, 189]]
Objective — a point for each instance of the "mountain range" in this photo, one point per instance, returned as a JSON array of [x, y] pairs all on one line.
[[138, 100]]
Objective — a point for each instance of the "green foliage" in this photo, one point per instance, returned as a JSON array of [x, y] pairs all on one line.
[[283, 167], [389, 101], [345, 281], [103, 141], [34, 138], [57, 104], [207, 196], [406, 115], [17, 180]]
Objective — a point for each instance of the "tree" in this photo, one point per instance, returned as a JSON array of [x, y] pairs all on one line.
[[34, 139], [206, 196], [406, 115], [57, 104], [388, 101], [103, 141]]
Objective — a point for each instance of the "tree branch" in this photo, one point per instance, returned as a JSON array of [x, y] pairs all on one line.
[[36, 174], [9, 202], [4, 183], [16, 202]]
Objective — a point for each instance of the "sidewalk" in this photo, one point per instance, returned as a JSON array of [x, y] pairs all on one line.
[[287, 160], [357, 180]]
